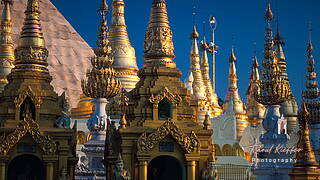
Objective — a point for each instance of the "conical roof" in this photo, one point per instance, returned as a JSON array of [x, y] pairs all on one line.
[[68, 52]]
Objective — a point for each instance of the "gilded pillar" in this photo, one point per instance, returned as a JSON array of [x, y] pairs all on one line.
[[3, 161], [49, 170], [192, 159], [191, 169], [143, 165]]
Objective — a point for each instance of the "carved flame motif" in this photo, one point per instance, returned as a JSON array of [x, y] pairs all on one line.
[[188, 143], [27, 125], [27, 93], [165, 93]]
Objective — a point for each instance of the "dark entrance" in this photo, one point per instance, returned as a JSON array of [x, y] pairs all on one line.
[[166, 168], [26, 167]]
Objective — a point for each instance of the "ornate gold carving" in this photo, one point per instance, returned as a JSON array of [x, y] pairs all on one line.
[[101, 80], [188, 143], [158, 42], [272, 89], [31, 54], [27, 92], [27, 125], [165, 93], [158, 45]]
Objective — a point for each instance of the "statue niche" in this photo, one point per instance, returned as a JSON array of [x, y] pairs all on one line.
[[164, 109], [27, 107]]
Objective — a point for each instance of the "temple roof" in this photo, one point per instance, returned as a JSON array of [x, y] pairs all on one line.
[[68, 52]]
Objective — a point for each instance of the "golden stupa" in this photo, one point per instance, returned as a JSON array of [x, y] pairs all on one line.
[[158, 124], [32, 146]]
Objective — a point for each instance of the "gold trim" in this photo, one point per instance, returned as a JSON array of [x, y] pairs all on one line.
[[27, 93], [165, 93], [188, 143], [27, 125]]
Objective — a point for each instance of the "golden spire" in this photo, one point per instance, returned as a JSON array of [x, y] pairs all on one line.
[[158, 45], [199, 91], [101, 80], [6, 44], [233, 100], [255, 110], [279, 53], [104, 48], [205, 73], [31, 53], [272, 89], [232, 93], [306, 157], [312, 91], [125, 63], [268, 16]]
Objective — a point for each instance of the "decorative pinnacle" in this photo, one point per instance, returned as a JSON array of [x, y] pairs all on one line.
[[31, 35], [31, 50], [268, 16], [158, 45], [101, 80], [272, 89], [232, 57], [194, 34], [312, 91], [104, 48], [305, 157]]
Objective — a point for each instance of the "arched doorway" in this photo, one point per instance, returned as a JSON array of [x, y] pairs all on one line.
[[166, 168], [26, 167]]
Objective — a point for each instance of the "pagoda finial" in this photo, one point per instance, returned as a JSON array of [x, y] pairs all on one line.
[[6, 44], [103, 45], [312, 91], [255, 110], [205, 72], [31, 50], [158, 45], [101, 80], [232, 57], [268, 16], [306, 155], [199, 90]]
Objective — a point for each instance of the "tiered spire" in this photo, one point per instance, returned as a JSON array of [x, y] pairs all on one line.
[[205, 73], [272, 89], [312, 93], [199, 91], [101, 81], [233, 95], [31, 53], [288, 108], [279, 53], [255, 110], [306, 166], [6, 44], [125, 63], [158, 45], [306, 156]]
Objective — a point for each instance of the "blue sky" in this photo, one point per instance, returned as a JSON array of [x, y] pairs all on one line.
[[241, 19]]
